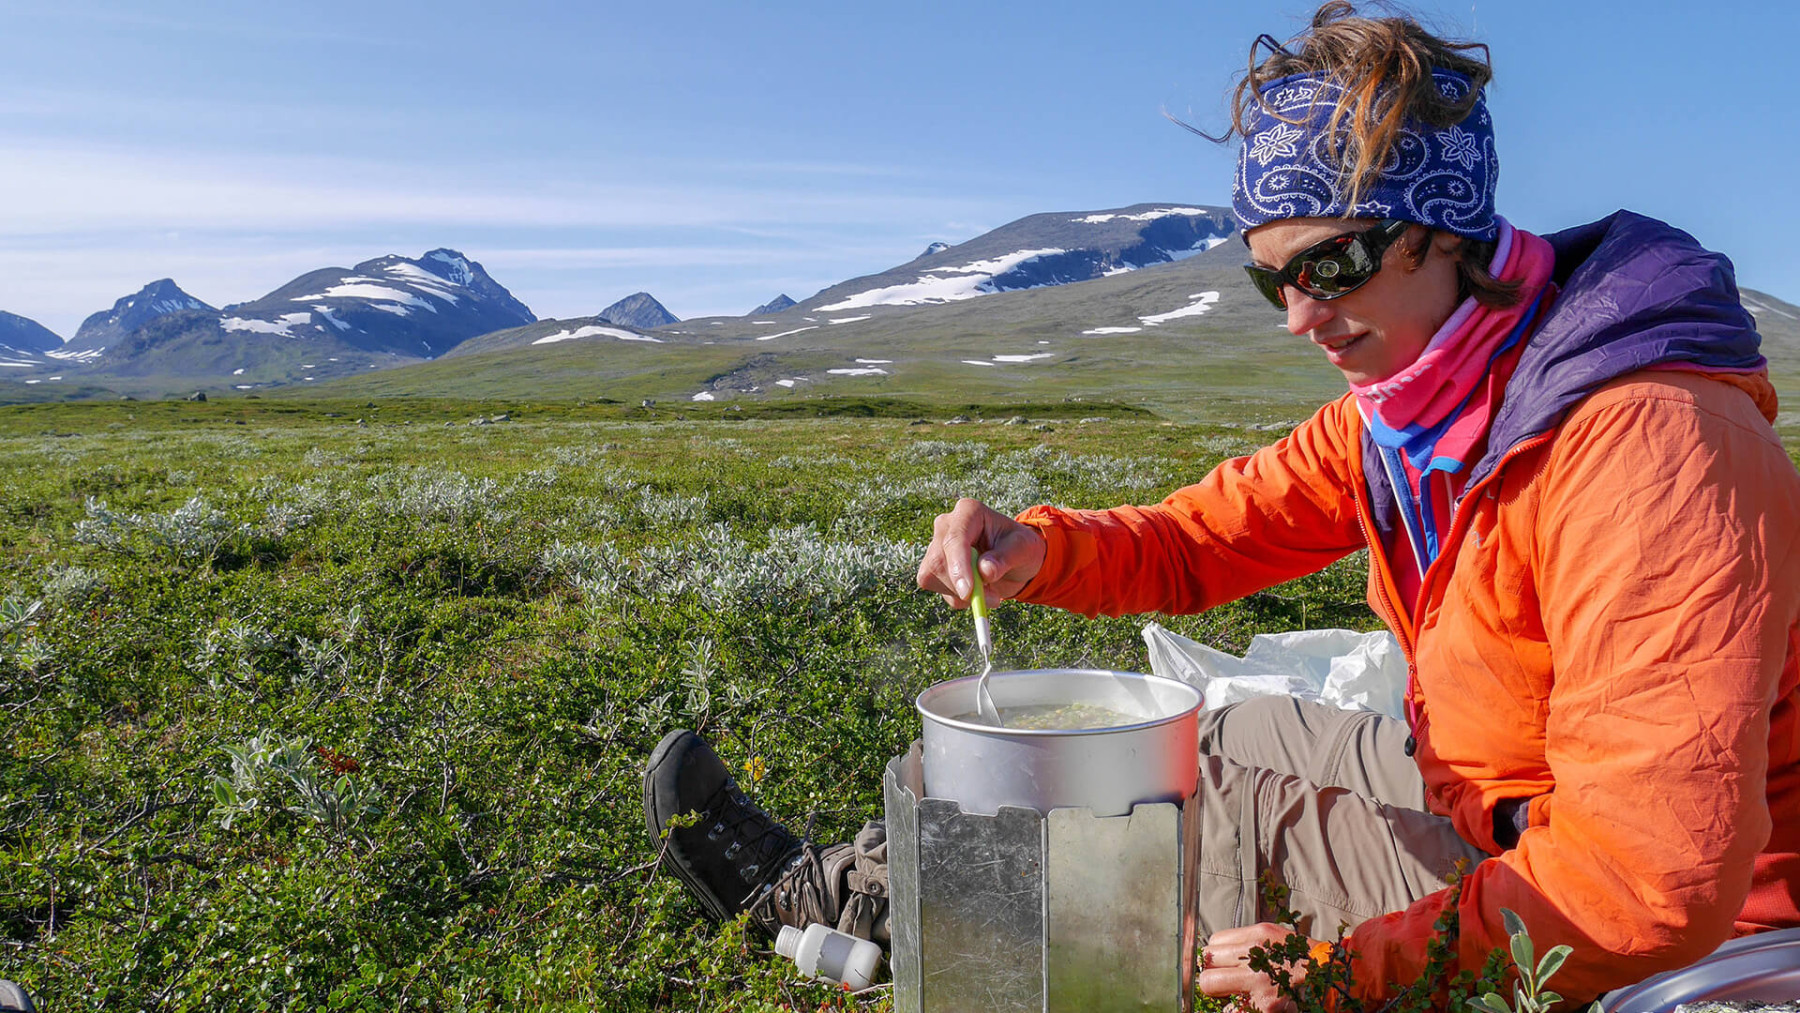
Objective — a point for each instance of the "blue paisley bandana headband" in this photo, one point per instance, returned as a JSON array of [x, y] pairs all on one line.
[[1441, 178]]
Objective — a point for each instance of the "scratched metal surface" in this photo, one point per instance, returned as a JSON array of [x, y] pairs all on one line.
[[981, 915], [1113, 908], [1021, 912], [1190, 897], [901, 787]]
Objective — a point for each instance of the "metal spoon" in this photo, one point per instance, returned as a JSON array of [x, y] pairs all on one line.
[[984, 642]]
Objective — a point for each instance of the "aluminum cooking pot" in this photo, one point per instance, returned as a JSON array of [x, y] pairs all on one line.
[[1108, 770]]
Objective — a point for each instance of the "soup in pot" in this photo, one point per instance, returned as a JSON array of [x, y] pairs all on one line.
[[1058, 717]]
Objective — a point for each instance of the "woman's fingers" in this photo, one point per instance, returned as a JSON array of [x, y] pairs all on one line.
[[1225, 967], [1012, 553], [1233, 945], [1255, 990]]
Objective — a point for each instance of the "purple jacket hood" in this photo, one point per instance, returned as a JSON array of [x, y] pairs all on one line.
[[1635, 292]]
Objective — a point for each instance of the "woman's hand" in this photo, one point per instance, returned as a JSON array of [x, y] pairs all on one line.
[[1012, 554], [1225, 967]]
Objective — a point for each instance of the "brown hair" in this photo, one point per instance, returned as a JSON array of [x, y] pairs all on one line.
[[1384, 67]]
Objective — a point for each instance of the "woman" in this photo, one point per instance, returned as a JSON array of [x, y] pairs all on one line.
[[1582, 529]]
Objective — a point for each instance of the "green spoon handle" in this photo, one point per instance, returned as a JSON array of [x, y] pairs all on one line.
[[978, 604]]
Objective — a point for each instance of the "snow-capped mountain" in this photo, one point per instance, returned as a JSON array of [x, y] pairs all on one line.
[[775, 305], [1044, 249], [640, 310], [107, 327], [414, 308], [24, 342]]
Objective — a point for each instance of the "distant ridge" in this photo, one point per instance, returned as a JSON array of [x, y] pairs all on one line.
[[775, 305], [1055, 248], [25, 340], [330, 322], [640, 310]]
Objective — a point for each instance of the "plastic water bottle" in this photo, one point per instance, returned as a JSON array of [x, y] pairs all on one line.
[[824, 952]]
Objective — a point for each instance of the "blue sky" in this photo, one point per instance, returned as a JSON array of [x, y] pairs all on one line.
[[715, 154]]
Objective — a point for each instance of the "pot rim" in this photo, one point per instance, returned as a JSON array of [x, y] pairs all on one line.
[[939, 688]]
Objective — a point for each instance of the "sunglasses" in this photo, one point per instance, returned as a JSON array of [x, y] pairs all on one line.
[[1326, 270]]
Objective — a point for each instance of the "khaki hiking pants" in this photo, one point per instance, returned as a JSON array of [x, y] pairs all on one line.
[[1325, 798]]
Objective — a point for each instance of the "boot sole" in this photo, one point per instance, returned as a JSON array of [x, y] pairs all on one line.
[[665, 860]]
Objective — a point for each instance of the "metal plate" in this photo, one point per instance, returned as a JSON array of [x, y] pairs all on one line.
[[981, 915], [1113, 909], [1764, 967], [901, 787]]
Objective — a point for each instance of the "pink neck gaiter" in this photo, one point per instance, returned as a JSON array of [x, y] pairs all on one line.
[[1442, 377]]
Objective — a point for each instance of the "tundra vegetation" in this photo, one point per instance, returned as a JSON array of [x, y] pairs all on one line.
[[336, 706]]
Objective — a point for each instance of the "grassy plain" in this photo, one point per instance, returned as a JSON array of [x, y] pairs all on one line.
[[329, 705], [305, 712]]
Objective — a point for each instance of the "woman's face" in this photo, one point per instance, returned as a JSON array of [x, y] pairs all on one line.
[[1379, 329]]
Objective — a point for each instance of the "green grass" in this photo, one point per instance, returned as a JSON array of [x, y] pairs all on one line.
[[485, 629]]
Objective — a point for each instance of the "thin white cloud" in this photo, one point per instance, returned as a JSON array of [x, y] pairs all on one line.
[[75, 190]]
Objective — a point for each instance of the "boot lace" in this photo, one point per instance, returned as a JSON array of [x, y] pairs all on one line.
[[758, 842]]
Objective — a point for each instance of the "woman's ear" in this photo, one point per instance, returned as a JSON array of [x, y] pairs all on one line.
[[1417, 242]]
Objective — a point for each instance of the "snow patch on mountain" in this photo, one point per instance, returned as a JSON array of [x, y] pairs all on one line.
[[371, 289], [783, 334], [943, 284], [325, 311], [76, 355], [859, 371], [422, 280], [1203, 301], [460, 271], [1114, 330], [283, 326], [594, 331], [1146, 216]]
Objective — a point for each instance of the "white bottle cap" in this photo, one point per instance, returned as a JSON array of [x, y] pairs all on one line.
[[787, 941]]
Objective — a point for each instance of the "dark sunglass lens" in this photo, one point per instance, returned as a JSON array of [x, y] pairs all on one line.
[[1268, 283]]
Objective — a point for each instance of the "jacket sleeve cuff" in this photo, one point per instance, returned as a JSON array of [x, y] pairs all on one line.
[[1043, 520]]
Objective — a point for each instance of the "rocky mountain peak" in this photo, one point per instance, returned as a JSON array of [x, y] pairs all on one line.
[[775, 305], [639, 310], [157, 299]]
